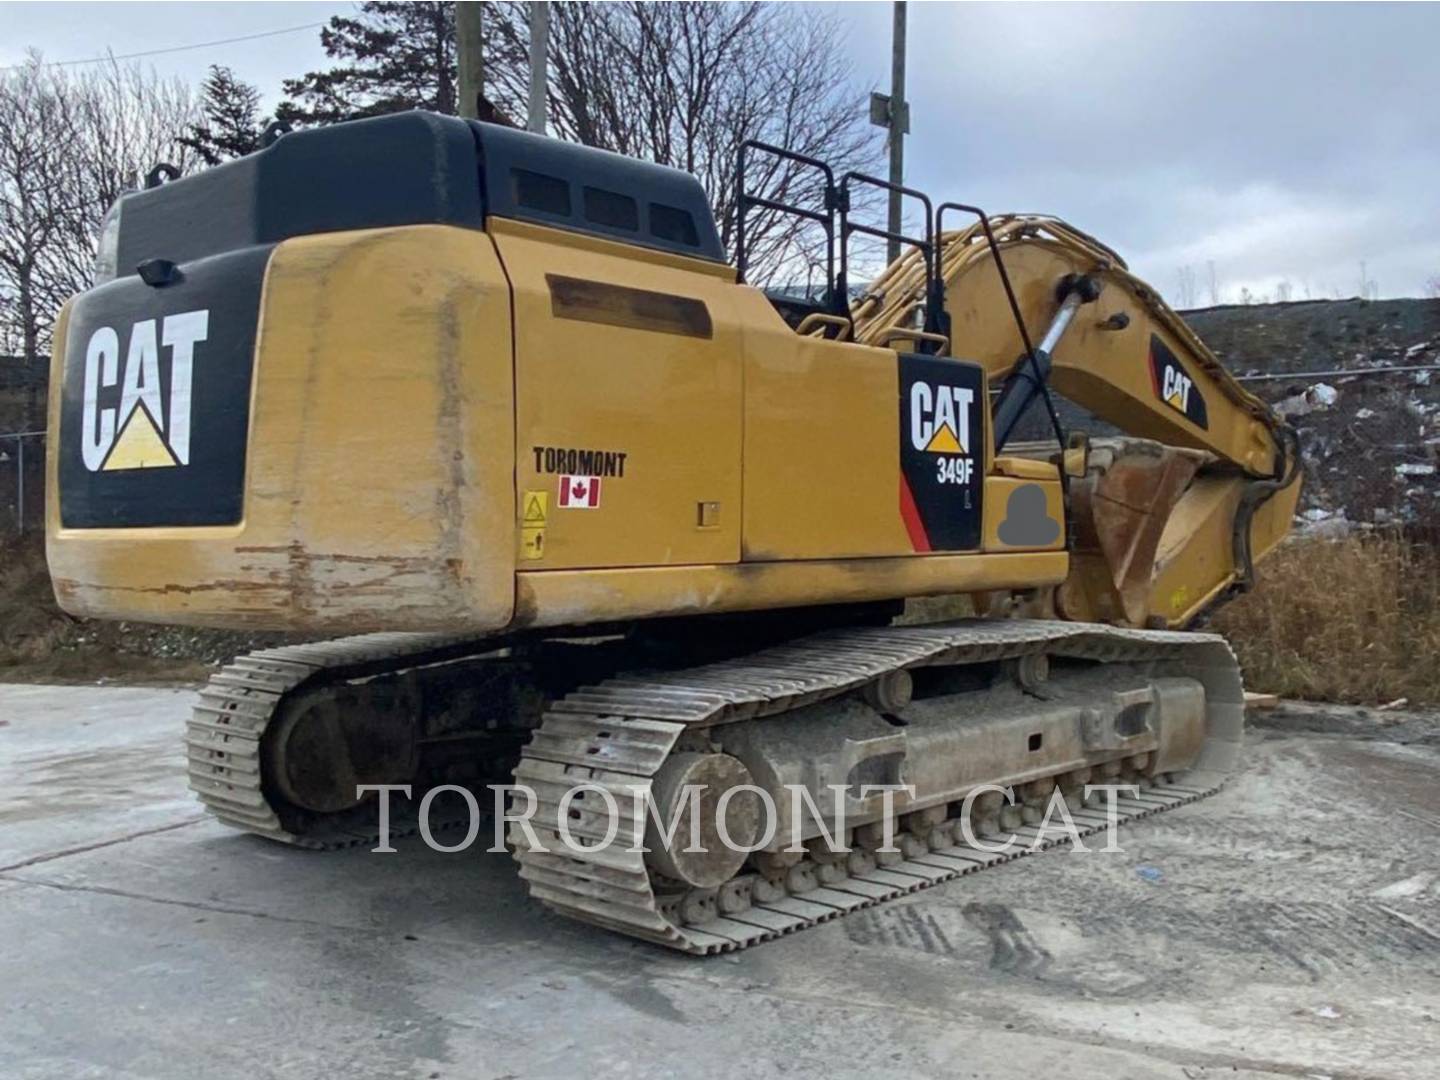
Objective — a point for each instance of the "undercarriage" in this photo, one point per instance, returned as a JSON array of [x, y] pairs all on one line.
[[887, 759]]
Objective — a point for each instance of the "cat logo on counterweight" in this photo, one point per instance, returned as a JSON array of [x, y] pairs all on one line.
[[136, 415]]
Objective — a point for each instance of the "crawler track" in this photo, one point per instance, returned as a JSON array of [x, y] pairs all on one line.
[[619, 733], [238, 706]]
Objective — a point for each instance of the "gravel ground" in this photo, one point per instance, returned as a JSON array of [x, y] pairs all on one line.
[[1286, 927]]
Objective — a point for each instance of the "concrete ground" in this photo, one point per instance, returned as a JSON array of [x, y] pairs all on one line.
[[1287, 927]]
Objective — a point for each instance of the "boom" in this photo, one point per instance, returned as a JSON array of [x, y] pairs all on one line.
[[1168, 519]]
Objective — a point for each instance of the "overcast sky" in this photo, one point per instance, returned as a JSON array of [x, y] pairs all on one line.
[[1283, 142]]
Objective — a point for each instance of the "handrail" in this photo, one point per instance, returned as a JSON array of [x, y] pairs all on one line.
[[824, 318], [886, 333], [835, 299], [933, 321]]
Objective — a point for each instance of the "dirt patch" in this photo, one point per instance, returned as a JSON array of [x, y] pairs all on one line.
[[1403, 727]]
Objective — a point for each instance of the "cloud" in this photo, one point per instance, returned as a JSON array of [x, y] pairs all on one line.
[[1279, 141]]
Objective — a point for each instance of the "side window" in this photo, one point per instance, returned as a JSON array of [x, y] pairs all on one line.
[[674, 225], [537, 191], [611, 209]]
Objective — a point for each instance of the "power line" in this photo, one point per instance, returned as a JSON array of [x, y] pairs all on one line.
[[172, 48], [1336, 373]]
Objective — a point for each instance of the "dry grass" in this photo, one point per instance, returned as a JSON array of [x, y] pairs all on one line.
[[1352, 620], [928, 609]]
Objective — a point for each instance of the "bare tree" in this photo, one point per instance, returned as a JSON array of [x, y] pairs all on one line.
[[70, 143], [685, 84], [1186, 292], [1432, 286], [38, 196], [1369, 288]]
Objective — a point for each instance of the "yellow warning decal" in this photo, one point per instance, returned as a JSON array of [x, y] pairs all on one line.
[[534, 508], [532, 543], [139, 446], [944, 442]]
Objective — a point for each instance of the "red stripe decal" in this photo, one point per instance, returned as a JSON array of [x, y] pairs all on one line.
[[910, 513]]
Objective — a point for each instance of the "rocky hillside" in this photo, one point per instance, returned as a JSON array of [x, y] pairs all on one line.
[[1371, 439]]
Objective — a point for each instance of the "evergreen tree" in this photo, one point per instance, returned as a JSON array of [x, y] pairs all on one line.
[[392, 57], [683, 84], [231, 124]]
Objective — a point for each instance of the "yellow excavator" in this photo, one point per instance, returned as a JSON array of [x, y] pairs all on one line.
[[560, 500]]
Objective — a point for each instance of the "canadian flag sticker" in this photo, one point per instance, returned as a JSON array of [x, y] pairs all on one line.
[[579, 492]]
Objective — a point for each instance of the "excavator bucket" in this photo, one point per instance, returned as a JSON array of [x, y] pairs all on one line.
[[1120, 510]]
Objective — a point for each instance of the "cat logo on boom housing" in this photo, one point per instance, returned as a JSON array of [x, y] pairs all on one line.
[[940, 418], [136, 412], [942, 441], [1174, 386]]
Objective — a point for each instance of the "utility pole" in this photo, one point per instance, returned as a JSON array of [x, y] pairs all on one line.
[[469, 59], [539, 46], [893, 112]]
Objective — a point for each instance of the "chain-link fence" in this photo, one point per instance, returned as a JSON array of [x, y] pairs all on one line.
[[22, 481]]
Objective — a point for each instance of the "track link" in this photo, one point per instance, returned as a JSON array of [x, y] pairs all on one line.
[[618, 734]]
